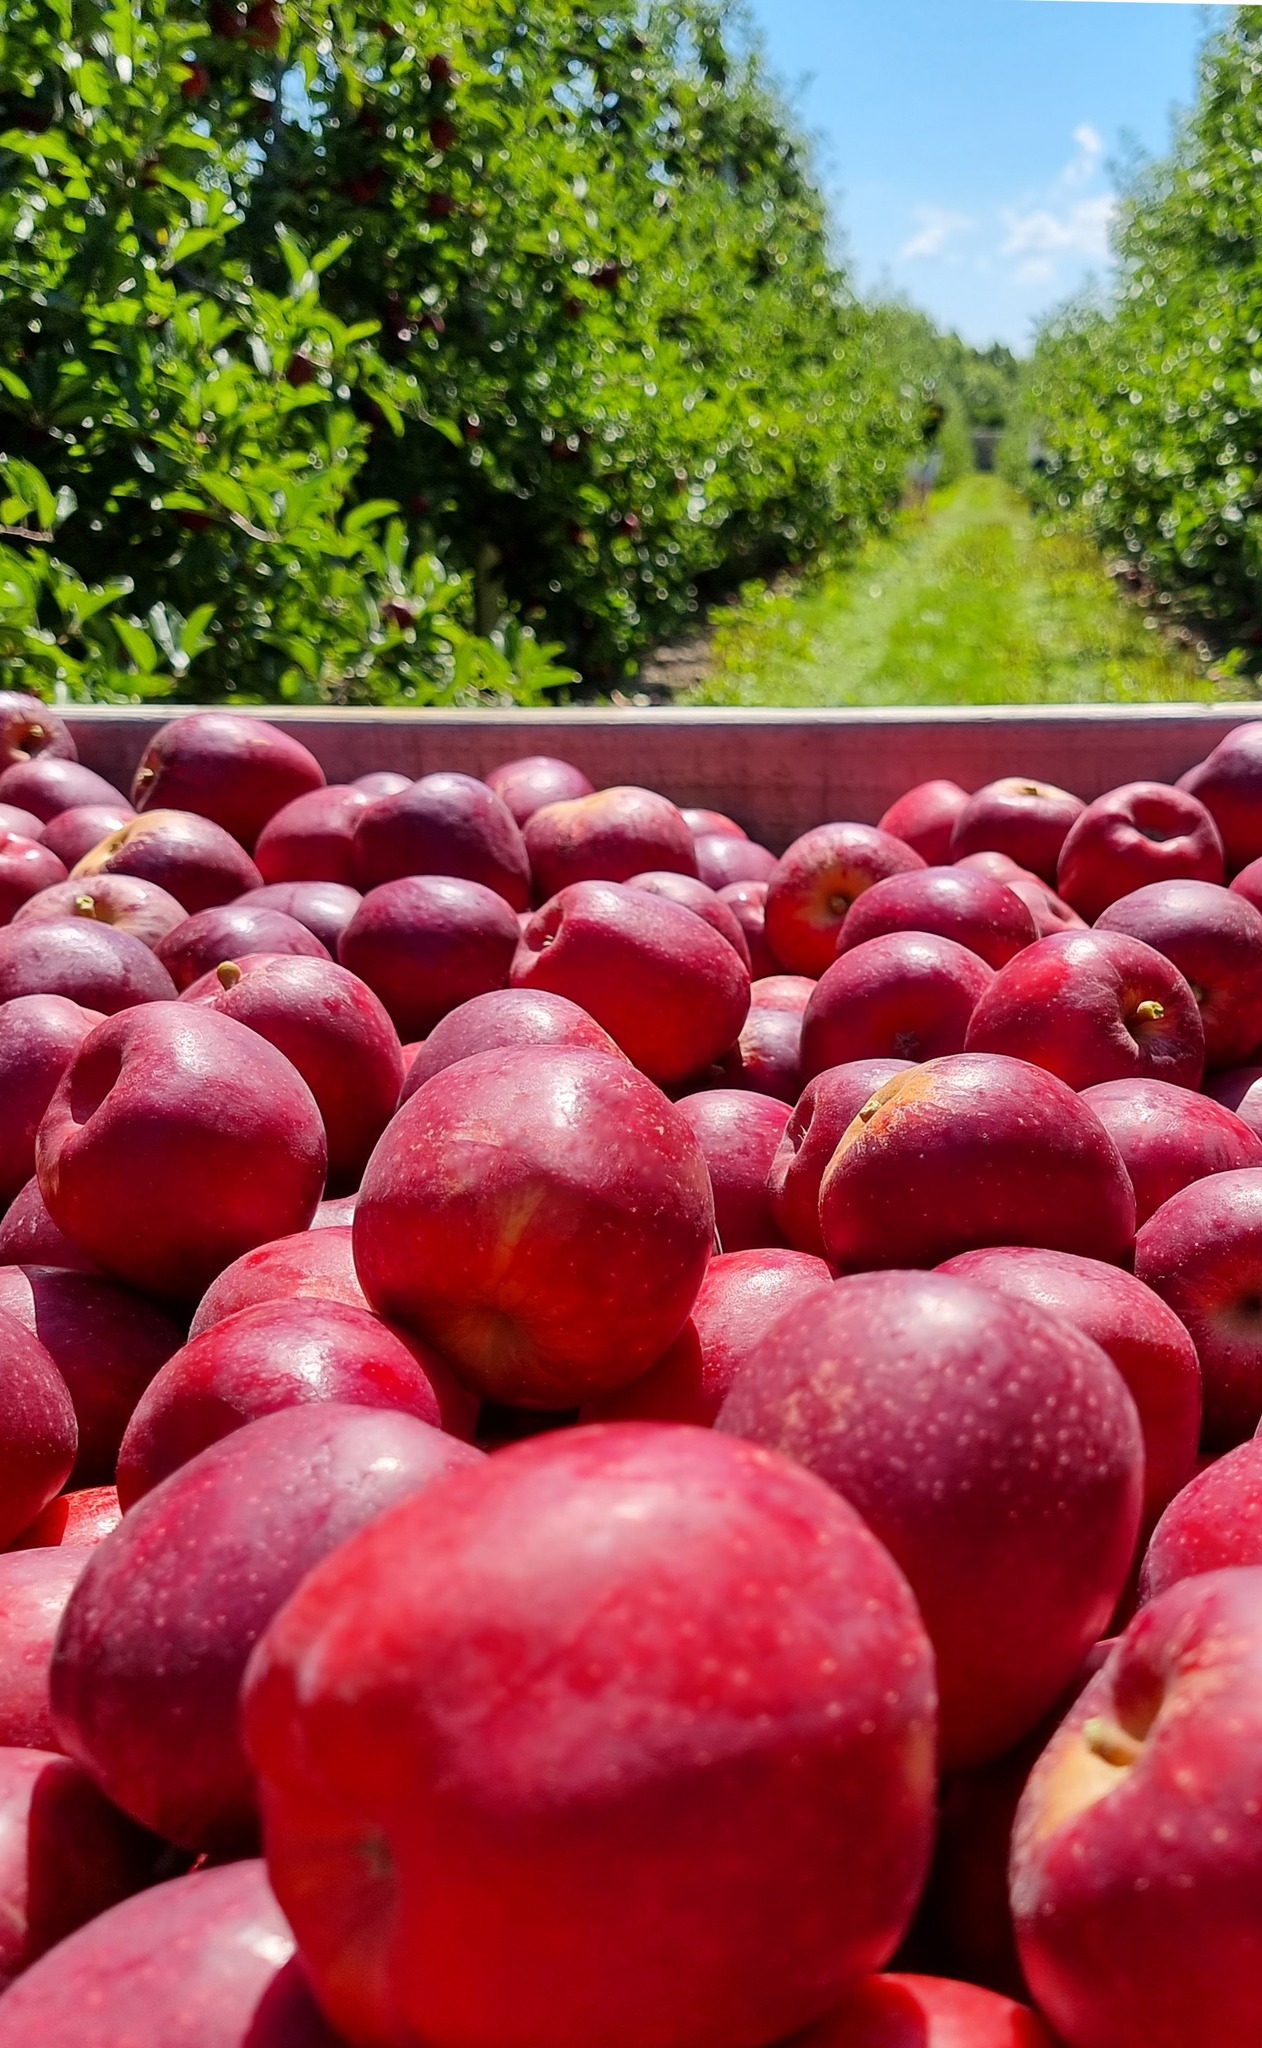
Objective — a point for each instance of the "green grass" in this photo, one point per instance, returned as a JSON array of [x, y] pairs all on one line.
[[966, 603]]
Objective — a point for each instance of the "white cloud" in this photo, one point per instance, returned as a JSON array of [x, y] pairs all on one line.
[[1087, 159], [1038, 238], [939, 228]]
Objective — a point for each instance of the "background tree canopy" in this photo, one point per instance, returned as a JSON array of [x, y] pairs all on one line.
[[392, 351]]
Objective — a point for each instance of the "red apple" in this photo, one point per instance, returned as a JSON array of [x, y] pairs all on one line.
[[205, 1961], [907, 996], [1050, 912], [957, 903], [828, 1106], [1136, 1866], [443, 825], [542, 1217], [381, 782], [50, 784], [312, 1265], [26, 867], [95, 965], [527, 784], [1027, 820], [702, 901], [106, 1343], [176, 1140], [925, 2012], [1229, 784], [162, 1619], [924, 817], [996, 1453], [1093, 1006], [335, 1212], [1238, 1091], [742, 1295], [1143, 832], [969, 1151], [28, 1236], [39, 1036], [747, 902], [1145, 1339], [73, 833], [767, 1057], [189, 856], [426, 944], [34, 1588], [24, 823], [310, 839], [1216, 1521], [1202, 1253], [1169, 1137], [233, 932], [332, 1030], [326, 908], [706, 1812], [72, 1521], [738, 1134], [1214, 938], [141, 908], [701, 823], [1248, 883], [66, 1855], [607, 837], [790, 992], [660, 981], [29, 728], [504, 1017], [276, 1355], [814, 884], [39, 1437], [722, 860], [227, 766]]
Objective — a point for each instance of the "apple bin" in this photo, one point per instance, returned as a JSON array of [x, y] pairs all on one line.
[[633, 1378]]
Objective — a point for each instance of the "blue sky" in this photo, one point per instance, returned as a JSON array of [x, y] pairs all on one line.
[[968, 145]]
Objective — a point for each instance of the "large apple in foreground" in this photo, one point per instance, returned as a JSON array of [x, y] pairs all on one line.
[[668, 1708]]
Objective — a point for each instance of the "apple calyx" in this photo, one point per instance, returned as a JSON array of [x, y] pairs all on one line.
[[227, 974]]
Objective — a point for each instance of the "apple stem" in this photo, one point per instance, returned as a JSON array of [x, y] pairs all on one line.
[[1151, 1013], [228, 974], [1111, 1744], [84, 906]]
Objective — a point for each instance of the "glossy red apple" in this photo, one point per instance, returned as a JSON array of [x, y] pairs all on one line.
[[1229, 784], [697, 897], [205, 1961], [996, 1453], [926, 2012], [729, 1722], [163, 1617], [39, 1036], [1143, 832], [72, 1521], [1026, 819], [106, 1342], [28, 1236], [558, 1256], [1202, 1253], [326, 908], [701, 823], [316, 1265], [189, 856], [24, 823], [665, 986], [50, 784], [1214, 937], [828, 1106], [1136, 1866], [607, 837], [907, 996], [1093, 1006], [228, 766], [332, 1030], [29, 728], [747, 902], [39, 1437], [26, 867], [1216, 1521], [443, 825], [767, 1057], [176, 1140], [738, 1133], [527, 784], [73, 833], [276, 1355], [790, 992], [969, 1151], [95, 965], [1050, 912], [310, 839], [722, 860], [381, 782], [335, 1212], [129, 905], [428, 943], [957, 903], [814, 884], [742, 1295], [1145, 1340], [34, 1588], [504, 1017], [1169, 1137], [924, 817], [232, 932], [1238, 1091]]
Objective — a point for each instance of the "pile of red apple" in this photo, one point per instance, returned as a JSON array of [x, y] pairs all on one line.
[[604, 1435]]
